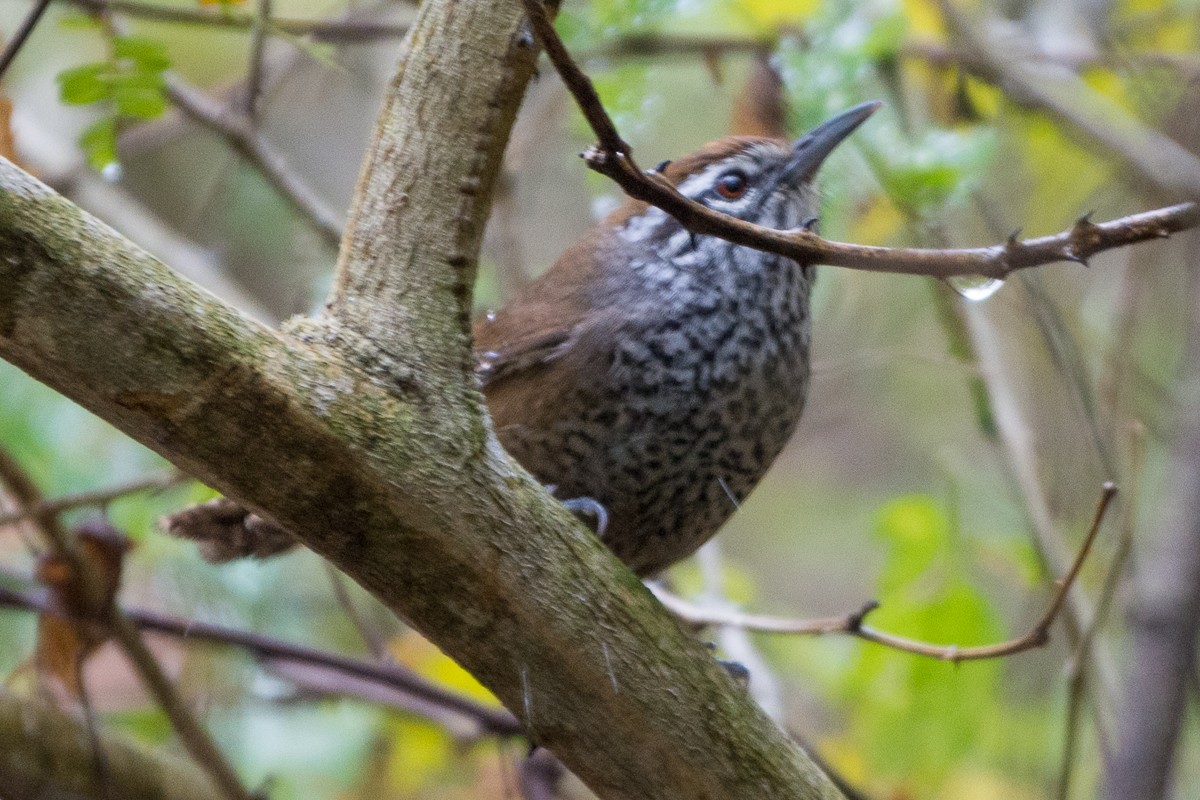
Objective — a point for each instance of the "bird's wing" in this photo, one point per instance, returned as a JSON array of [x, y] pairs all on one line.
[[492, 365]]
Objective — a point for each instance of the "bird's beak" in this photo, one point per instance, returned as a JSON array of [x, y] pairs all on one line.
[[811, 149]]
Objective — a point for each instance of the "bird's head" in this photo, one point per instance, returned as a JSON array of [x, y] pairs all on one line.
[[765, 181]]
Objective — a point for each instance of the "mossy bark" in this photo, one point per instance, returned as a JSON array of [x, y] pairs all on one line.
[[47, 753]]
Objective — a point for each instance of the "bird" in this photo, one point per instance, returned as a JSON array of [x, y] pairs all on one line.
[[652, 374]]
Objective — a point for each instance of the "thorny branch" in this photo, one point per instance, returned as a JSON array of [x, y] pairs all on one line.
[[612, 157], [853, 624]]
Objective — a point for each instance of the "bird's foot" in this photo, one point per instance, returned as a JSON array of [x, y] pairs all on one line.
[[736, 669], [580, 506], [592, 508]]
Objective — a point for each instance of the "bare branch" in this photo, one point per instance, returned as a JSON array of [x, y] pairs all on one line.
[[193, 735], [941, 55], [14, 44], [1165, 618], [100, 497], [852, 624], [49, 753], [348, 31], [244, 138], [612, 157], [259, 33], [392, 676]]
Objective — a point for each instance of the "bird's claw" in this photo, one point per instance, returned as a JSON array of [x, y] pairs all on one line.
[[591, 507]]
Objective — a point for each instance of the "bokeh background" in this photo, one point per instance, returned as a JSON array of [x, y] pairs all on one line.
[[956, 438]]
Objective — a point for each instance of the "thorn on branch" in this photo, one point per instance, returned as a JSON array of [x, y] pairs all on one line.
[[595, 157], [854, 622], [1071, 254]]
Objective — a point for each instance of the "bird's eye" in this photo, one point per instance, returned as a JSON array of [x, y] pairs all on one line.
[[732, 185]]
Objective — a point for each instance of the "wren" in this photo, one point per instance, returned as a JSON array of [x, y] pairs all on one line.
[[660, 372], [653, 371]]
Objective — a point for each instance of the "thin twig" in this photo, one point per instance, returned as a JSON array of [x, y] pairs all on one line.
[[656, 45], [29, 498], [193, 735], [100, 497], [852, 624], [612, 157], [92, 726], [22, 33], [346, 31], [259, 33], [393, 676], [375, 645], [251, 145]]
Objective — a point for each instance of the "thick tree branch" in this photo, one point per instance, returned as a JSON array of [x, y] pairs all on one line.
[[47, 753], [363, 433]]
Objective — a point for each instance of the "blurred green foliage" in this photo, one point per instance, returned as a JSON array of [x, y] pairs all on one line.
[[128, 85]]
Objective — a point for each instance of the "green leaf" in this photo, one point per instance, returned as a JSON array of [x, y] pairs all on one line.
[[916, 531], [85, 84], [920, 717], [139, 95], [149, 55], [99, 143], [79, 21], [886, 36]]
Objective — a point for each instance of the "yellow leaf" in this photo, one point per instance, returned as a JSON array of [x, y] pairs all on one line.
[[432, 663], [985, 786], [924, 18], [878, 223], [771, 14]]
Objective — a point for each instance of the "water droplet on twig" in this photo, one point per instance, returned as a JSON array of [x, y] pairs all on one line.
[[975, 288]]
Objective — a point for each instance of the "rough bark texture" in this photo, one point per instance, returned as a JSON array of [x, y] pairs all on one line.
[[363, 433], [45, 753]]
